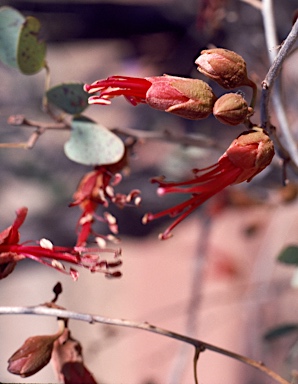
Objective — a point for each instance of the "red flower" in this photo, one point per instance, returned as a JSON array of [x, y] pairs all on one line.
[[11, 251], [97, 188], [247, 156], [188, 98]]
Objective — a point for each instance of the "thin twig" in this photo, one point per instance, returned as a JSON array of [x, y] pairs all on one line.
[[254, 3], [198, 344], [40, 128], [170, 137], [197, 284], [165, 135]]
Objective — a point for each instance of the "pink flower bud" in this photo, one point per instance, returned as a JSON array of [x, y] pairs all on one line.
[[189, 98], [231, 109], [33, 355], [225, 67]]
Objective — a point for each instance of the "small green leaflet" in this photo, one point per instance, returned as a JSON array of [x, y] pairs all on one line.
[[289, 255], [11, 22], [280, 331], [93, 144], [31, 51], [70, 97]]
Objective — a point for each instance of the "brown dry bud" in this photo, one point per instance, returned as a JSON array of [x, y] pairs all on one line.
[[225, 67], [231, 109], [33, 355]]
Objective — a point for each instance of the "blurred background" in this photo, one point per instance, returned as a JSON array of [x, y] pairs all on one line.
[[217, 279]]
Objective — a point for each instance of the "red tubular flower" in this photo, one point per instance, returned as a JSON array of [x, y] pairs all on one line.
[[97, 188], [45, 253], [247, 156], [189, 98]]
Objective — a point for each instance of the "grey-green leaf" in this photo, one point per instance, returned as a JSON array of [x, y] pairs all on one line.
[[93, 144], [70, 97], [31, 51], [289, 255], [11, 22]]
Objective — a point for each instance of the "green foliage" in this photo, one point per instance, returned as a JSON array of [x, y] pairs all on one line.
[[93, 144], [31, 51], [11, 22], [70, 97], [289, 255], [20, 46], [280, 331]]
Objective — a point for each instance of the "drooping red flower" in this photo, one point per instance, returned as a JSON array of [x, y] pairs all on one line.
[[44, 252], [189, 98], [97, 189], [247, 156]]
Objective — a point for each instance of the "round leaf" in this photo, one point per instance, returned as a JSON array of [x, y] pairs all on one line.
[[289, 255], [93, 144], [71, 97], [10, 26], [31, 51]]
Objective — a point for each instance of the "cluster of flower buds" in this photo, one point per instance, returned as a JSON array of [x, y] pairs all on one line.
[[194, 99], [188, 98]]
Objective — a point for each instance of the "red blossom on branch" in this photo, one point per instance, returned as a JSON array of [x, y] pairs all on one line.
[[247, 156], [189, 98], [11, 252], [97, 189]]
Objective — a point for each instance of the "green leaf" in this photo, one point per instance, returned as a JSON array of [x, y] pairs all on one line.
[[69, 97], [280, 331], [93, 144], [31, 51], [10, 26], [289, 255]]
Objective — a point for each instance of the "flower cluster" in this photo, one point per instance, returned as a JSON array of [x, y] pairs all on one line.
[[97, 189], [44, 252], [189, 98], [194, 99]]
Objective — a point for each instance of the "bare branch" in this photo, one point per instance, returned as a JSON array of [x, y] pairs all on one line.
[[40, 128], [289, 150], [198, 344]]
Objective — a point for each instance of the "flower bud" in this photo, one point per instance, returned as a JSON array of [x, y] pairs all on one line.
[[33, 355], [189, 98], [231, 109], [253, 150], [225, 67]]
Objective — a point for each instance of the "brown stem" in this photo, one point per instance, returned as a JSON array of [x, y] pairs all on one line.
[[40, 128]]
